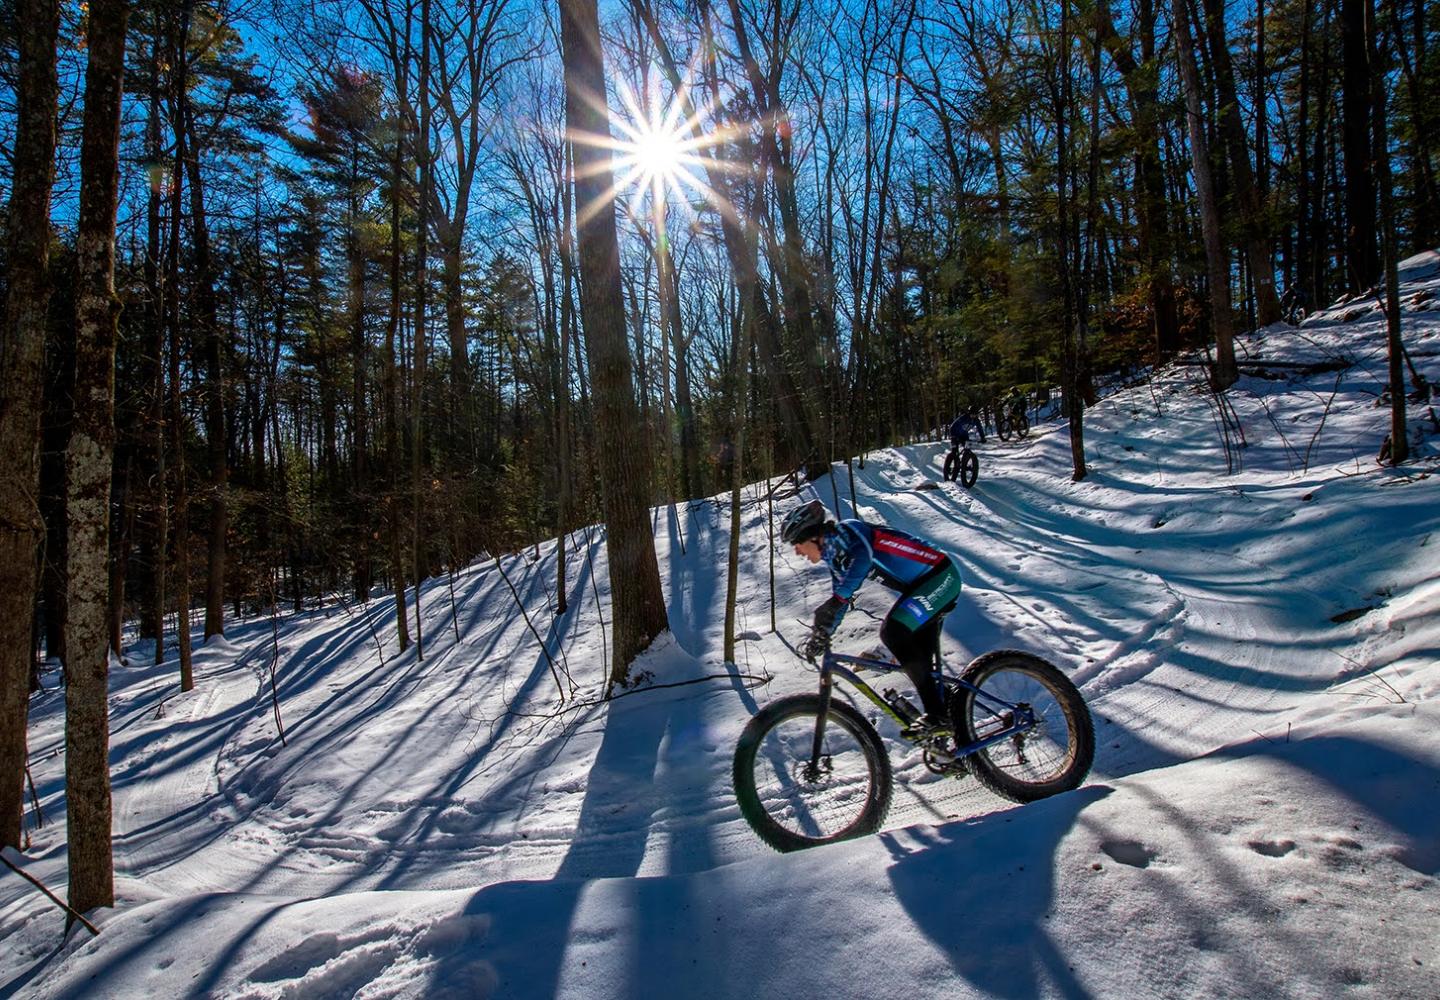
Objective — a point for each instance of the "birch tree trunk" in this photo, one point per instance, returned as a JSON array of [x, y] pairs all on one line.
[[88, 462], [22, 372]]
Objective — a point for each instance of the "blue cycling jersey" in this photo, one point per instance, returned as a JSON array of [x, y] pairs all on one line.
[[960, 430], [896, 558]]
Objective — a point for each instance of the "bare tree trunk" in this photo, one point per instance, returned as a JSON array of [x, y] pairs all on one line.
[[1073, 321], [207, 319], [564, 432], [88, 462], [1399, 439], [422, 279], [22, 372], [391, 388], [1221, 318], [156, 293], [1257, 240], [176, 410], [1141, 80], [639, 603], [359, 394], [1362, 261], [738, 423]]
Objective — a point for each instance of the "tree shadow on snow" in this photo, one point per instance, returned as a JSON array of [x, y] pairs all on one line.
[[999, 874]]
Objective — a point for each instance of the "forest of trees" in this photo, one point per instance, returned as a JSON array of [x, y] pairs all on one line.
[[364, 309]]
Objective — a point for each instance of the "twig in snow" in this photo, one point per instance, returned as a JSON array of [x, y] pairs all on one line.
[[379, 649], [454, 612], [35, 799], [595, 589], [550, 660], [1324, 414], [74, 915]]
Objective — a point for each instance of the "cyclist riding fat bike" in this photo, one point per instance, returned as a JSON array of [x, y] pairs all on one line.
[[927, 578], [964, 424]]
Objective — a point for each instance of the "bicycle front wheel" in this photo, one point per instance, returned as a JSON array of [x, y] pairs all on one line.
[[1054, 756], [969, 468], [1020, 424], [952, 466], [793, 802]]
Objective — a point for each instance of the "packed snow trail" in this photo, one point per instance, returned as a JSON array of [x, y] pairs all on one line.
[[1260, 651]]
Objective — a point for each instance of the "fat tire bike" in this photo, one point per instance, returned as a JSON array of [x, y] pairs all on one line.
[[810, 769], [961, 463], [1011, 421]]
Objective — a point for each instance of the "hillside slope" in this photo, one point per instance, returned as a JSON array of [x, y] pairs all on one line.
[[1255, 630]]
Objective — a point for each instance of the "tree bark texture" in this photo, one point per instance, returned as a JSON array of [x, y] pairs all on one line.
[[22, 373], [637, 601], [88, 463]]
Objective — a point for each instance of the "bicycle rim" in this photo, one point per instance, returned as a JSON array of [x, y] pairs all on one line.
[[1054, 755], [792, 804], [969, 469]]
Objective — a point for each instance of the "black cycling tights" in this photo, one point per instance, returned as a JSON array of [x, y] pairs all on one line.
[[915, 649]]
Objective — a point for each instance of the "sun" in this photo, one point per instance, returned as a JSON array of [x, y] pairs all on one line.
[[658, 150], [655, 154], [664, 149]]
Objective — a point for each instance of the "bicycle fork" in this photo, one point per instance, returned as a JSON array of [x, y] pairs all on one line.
[[827, 689]]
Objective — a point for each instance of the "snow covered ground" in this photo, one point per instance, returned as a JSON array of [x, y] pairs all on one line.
[[1260, 650]]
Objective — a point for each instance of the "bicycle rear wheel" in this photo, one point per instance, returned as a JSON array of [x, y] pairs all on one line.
[[1020, 424], [969, 468], [792, 805], [1052, 757], [1002, 426]]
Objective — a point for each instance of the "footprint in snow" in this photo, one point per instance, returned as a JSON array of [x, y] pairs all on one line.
[[1271, 848], [1129, 852]]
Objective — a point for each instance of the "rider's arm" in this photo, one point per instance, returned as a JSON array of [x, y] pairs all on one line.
[[857, 560], [851, 551]]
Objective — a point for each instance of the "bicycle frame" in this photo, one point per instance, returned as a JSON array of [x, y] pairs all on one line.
[[831, 666]]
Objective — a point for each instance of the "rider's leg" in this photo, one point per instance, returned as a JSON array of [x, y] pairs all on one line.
[[912, 631], [915, 651]]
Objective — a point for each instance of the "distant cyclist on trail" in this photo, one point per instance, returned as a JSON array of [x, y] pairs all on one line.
[[965, 423], [927, 578], [1014, 400]]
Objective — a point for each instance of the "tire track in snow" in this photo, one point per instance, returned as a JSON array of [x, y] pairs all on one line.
[[174, 805]]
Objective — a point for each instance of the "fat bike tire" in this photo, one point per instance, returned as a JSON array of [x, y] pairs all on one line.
[[1053, 757], [1002, 427], [952, 467], [1020, 424], [790, 809], [969, 468]]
